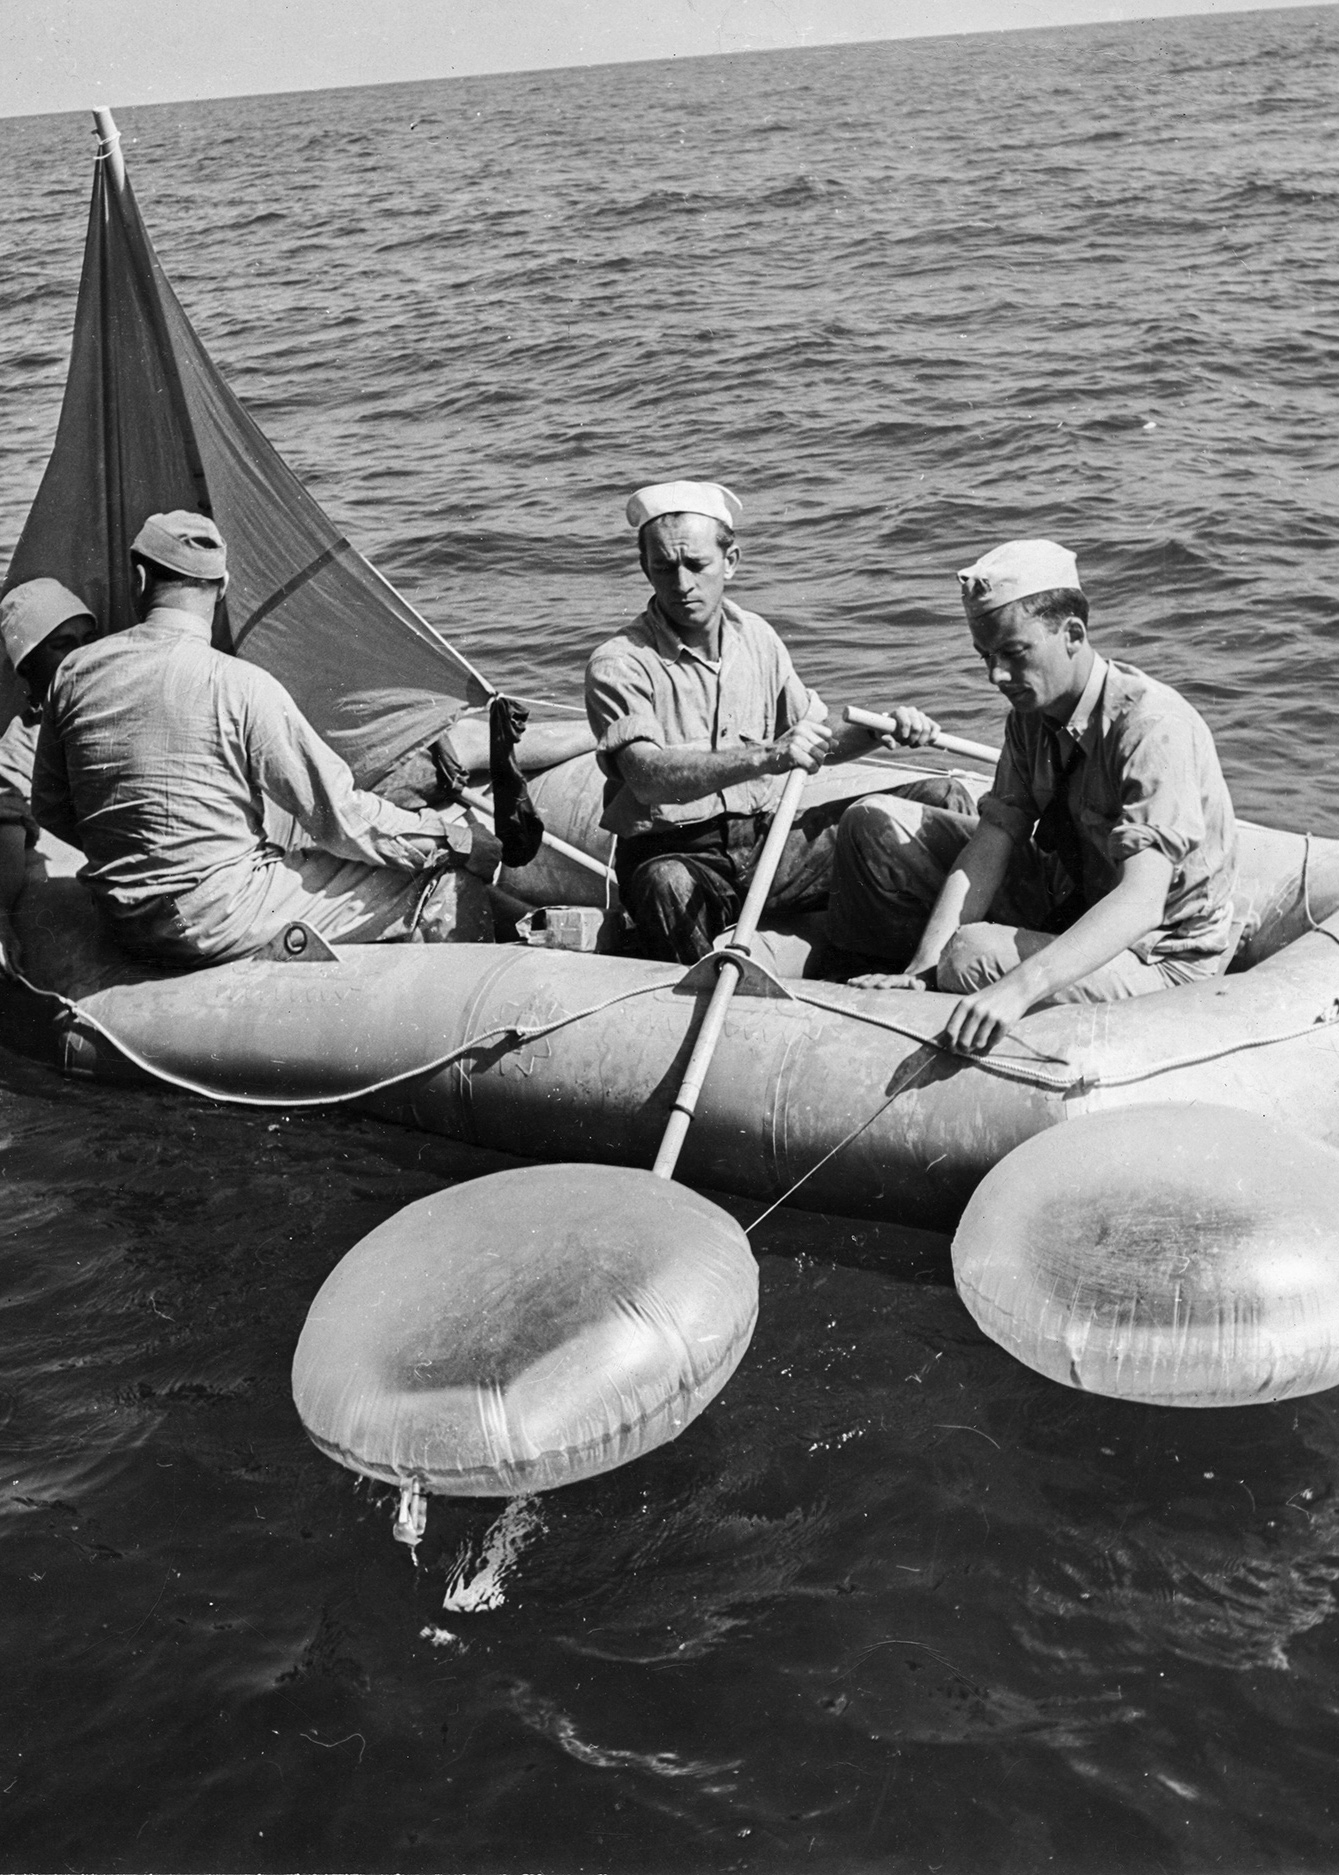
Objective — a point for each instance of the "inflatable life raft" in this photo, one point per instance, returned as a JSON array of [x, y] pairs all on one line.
[[842, 1099]]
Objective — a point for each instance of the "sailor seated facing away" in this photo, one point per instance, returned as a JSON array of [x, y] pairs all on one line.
[[1103, 862], [157, 755], [698, 715], [41, 622]]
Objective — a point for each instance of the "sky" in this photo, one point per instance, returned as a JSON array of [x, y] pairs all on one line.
[[68, 55]]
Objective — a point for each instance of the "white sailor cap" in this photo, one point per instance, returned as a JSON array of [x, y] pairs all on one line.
[[1015, 571], [31, 612], [710, 498], [183, 543]]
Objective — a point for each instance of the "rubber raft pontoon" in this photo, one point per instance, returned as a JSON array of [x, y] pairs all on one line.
[[843, 1096]]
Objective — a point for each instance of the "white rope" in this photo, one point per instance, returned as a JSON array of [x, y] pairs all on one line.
[[993, 1064], [1080, 1078], [420, 1071], [1077, 1079], [854, 1133], [1306, 893]]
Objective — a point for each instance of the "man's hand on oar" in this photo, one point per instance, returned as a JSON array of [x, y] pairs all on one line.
[[806, 745], [888, 725], [909, 728]]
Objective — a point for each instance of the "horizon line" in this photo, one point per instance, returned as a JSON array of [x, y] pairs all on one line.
[[675, 58]]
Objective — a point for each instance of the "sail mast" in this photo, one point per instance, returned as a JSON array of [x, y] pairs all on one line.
[[109, 146]]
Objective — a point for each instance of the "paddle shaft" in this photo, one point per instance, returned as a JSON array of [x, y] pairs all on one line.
[[685, 1101], [482, 805], [953, 745]]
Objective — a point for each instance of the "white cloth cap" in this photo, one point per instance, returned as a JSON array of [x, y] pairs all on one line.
[[183, 543], [1015, 571], [31, 612], [710, 498]]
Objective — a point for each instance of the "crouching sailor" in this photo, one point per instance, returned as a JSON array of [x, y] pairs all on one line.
[[157, 755], [698, 715], [1103, 862], [41, 622]]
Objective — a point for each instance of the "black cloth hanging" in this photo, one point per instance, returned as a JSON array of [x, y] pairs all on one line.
[[515, 821], [1058, 837]]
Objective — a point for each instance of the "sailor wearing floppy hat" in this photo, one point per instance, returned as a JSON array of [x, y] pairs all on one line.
[[158, 754], [699, 715], [1103, 861], [41, 622]]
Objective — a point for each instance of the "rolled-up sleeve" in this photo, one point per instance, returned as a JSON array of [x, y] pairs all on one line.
[[620, 707], [1010, 803], [1160, 803], [294, 768]]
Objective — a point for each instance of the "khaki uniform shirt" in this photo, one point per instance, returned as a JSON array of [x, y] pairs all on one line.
[[156, 757], [1149, 778], [646, 685]]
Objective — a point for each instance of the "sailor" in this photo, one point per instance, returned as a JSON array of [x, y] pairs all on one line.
[[698, 716], [1103, 862], [157, 755], [41, 622]]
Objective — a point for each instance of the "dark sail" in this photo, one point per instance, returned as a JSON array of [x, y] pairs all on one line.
[[149, 424]]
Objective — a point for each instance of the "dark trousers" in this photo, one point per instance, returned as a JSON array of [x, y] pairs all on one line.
[[682, 887]]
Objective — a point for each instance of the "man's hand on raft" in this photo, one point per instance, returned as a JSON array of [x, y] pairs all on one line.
[[976, 1022], [893, 980], [986, 1016]]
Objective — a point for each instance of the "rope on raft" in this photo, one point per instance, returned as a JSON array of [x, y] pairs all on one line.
[[421, 1071], [1082, 1080], [1306, 893], [1003, 1067]]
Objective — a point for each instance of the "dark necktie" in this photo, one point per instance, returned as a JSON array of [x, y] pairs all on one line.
[[1056, 833]]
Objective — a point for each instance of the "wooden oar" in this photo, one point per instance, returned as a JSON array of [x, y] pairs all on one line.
[[953, 745], [713, 1022]]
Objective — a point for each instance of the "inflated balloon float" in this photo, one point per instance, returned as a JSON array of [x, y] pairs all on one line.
[[525, 1330], [1172, 1254], [522, 1331]]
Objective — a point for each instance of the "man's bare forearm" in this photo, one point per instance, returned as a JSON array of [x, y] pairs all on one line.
[[850, 740], [660, 777]]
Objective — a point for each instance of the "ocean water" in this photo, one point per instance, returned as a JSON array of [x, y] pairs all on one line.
[[894, 1603]]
